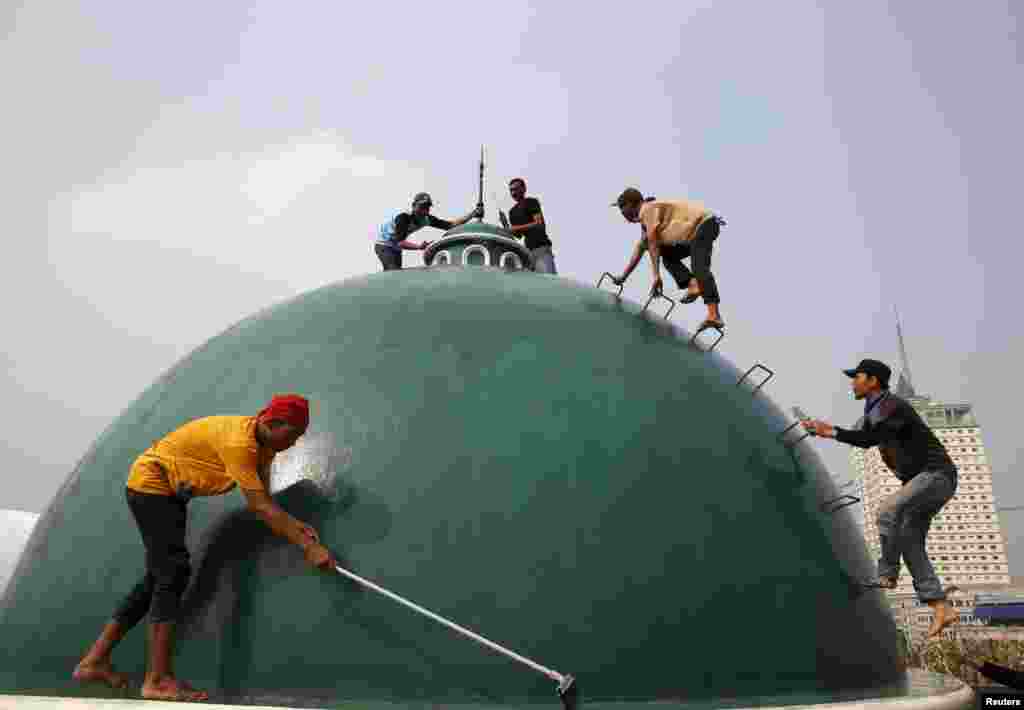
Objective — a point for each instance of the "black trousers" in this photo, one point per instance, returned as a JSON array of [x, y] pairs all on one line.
[[389, 258], [1006, 676], [161, 520], [699, 250]]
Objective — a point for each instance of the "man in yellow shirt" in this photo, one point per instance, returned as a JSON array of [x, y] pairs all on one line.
[[205, 457], [673, 230]]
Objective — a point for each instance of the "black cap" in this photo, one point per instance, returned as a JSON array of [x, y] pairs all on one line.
[[422, 198], [875, 368]]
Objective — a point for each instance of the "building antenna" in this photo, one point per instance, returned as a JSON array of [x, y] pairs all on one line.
[[905, 384]]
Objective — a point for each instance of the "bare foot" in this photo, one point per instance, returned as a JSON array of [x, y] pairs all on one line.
[[172, 689], [99, 672], [945, 616]]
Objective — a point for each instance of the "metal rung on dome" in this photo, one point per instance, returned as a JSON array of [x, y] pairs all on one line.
[[784, 432], [621, 286], [771, 374], [721, 334], [659, 295], [836, 504]]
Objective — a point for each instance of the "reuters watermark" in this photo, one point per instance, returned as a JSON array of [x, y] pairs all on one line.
[[999, 699]]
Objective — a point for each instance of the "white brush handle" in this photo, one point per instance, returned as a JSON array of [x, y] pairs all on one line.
[[553, 675]]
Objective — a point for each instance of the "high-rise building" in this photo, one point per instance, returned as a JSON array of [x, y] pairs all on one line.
[[965, 544]]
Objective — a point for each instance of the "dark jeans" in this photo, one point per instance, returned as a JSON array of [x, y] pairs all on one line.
[[161, 520], [389, 258], [700, 252], [903, 521]]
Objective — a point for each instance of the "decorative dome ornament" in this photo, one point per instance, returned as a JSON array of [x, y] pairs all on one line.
[[479, 243]]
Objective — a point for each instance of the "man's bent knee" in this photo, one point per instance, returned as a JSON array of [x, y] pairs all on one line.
[[887, 520], [167, 593]]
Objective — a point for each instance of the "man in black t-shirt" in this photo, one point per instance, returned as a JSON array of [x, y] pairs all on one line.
[[527, 221]]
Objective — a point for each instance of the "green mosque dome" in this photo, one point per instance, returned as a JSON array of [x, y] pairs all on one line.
[[531, 457]]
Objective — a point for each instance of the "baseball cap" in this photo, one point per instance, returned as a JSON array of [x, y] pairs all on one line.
[[422, 198], [875, 368]]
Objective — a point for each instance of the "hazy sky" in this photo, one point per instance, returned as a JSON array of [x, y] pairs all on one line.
[[170, 168]]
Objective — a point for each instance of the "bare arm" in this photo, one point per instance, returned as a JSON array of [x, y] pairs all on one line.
[[463, 220], [279, 521], [654, 249], [638, 253], [402, 224], [264, 474]]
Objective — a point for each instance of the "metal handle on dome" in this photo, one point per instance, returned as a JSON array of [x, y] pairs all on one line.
[[553, 675], [783, 435], [659, 295], [612, 277], [693, 340], [771, 374]]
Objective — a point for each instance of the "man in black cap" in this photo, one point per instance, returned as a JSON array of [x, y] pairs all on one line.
[[916, 457], [393, 236]]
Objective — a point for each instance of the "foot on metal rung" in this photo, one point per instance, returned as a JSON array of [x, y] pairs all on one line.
[[872, 585], [612, 277], [746, 374], [663, 296], [721, 334], [858, 587], [782, 436], [837, 504]]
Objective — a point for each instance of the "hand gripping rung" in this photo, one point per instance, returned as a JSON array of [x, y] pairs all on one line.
[[746, 374], [782, 435]]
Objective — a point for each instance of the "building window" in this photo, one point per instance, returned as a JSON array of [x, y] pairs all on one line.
[[476, 255], [511, 260]]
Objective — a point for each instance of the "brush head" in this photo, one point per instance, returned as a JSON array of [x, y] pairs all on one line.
[[568, 692]]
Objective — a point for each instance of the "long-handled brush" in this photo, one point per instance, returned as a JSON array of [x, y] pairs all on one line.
[[568, 689], [310, 461]]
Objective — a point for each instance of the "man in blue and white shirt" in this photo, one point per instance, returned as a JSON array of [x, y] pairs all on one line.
[[393, 236]]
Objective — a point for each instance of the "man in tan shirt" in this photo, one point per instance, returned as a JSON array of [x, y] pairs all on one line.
[[674, 230]]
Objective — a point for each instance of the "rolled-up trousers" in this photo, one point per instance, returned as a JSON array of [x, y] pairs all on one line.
[[161, 521]]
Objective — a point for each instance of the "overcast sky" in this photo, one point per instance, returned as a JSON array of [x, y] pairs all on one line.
[[169, 168]]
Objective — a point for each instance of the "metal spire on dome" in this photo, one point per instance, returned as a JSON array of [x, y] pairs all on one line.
[[904, 384], [480, 200]]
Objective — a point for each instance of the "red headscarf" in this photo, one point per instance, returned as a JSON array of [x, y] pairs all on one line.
[[290, 408]]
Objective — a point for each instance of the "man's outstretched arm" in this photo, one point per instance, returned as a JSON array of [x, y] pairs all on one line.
[[284, 525], [638, 253], [654, 249], [449, 224], [889, 429]]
